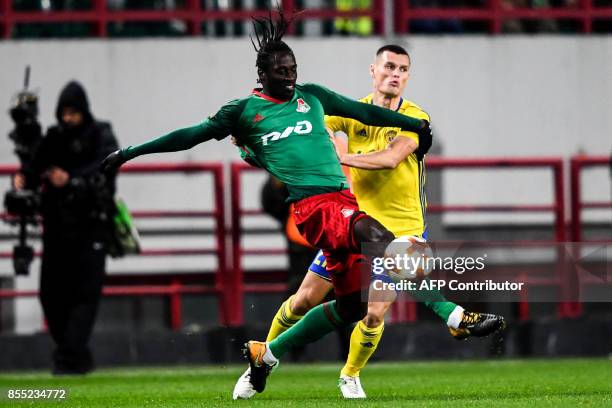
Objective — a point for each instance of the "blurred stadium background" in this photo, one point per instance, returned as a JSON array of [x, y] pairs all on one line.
[[519, 93]]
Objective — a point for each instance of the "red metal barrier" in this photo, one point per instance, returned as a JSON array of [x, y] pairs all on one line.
[[557, 207], [176, 288], [230, 284], [237, 280], [577, 164], [406, 310], [192, 14], [553, 163], [495, 14]]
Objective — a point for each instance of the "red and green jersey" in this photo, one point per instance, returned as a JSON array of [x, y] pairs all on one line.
[[287, 138]]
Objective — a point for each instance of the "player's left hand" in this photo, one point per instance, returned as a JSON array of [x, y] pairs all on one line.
[[425, 140], [110, 165]]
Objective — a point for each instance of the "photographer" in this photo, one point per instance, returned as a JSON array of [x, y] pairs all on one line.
[[76, 206]]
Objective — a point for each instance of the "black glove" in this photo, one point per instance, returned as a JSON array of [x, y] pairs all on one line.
[[113, 161], [425, 140]]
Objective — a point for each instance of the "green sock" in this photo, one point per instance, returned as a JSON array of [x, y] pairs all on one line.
[[442, 308], [315, 324], [435, 301]]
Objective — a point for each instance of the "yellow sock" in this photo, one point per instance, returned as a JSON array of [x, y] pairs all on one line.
[[364, 341], [283, 320]]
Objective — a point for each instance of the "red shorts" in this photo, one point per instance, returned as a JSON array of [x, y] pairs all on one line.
[[326, 221]]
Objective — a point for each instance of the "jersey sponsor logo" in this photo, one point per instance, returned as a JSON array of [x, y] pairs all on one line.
[[257, 118], [302, 107], [347, 212], [369, 344], [301, 128]]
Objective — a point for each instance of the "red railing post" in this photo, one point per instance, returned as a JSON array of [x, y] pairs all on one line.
[[100, 29], [575, 203], [411, 311], [568, 280], [402, 7], [587, 20], [194, 24], [396, 312], [176, 320], [378, 15], [559, 183], [236, 289], [6, 23], [523, 304], [403, 310], [288, 7], [221, 278], [495, 17]]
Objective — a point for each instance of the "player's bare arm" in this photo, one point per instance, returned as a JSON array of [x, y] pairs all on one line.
[[397, 151]]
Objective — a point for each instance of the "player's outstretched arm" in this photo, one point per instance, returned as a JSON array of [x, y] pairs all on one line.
[[397, 150], [181, 139], [337, 105], [218, 126]]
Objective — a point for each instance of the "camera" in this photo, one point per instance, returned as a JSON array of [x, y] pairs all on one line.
[[23, 204]]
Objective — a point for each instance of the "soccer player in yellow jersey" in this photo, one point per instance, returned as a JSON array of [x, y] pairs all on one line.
[[387, 169]]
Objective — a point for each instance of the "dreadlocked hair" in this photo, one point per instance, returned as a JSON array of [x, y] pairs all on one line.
[[269, 34]]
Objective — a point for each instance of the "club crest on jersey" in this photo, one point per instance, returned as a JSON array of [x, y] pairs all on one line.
[[302, 107], [347, 212]]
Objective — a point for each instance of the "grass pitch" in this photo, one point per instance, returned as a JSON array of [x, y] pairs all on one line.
[[500, 383]]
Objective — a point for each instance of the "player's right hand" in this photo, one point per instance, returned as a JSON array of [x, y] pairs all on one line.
[[337, 148], [113, 161]]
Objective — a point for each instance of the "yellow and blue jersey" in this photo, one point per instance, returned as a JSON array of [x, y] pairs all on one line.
[[395, 197]]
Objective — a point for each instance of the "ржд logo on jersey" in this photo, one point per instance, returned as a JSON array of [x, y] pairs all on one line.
[[301, 128]]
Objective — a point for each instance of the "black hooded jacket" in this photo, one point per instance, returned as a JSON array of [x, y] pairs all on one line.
[[80, 208], [73, 96]]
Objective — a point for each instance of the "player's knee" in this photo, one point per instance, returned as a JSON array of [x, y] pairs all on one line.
[[351, 313], [367, 229], [303, 301], [360, 312], [387, 237], [374, 319]]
